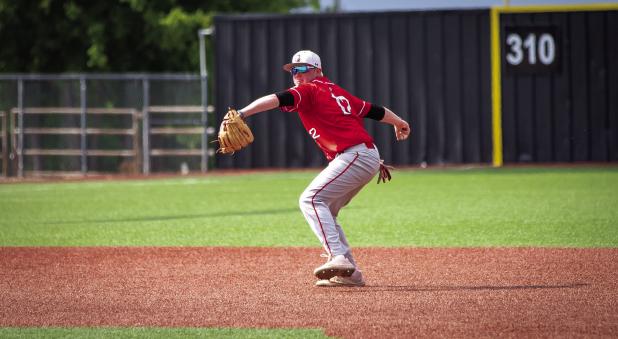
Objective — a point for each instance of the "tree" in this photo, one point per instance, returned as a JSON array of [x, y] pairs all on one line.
[[114, 35]]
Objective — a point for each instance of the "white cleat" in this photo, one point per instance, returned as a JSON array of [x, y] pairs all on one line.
[[355, 280], [337, 266]]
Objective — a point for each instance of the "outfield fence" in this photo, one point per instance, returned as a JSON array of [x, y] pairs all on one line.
[[514, 84], [554, 83]]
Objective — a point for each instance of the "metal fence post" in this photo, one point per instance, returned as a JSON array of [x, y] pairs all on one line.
[[5, 139], [83, 136], [20, 124], [204, 123], [146, 125], [202, 33]]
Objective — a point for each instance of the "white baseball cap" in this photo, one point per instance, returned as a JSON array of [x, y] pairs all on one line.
[[304, 58]]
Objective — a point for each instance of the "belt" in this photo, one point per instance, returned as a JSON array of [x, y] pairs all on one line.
[[359, 147]]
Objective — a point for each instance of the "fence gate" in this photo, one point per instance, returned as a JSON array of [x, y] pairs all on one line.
[[162, 122], [78, 124], [61, 147]]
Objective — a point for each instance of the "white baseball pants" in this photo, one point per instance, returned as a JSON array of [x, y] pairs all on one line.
[[332, 189]]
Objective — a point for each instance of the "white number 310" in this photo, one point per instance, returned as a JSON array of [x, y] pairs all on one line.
[[544, 48]]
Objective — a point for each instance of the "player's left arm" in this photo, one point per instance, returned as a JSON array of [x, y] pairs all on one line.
[[385, 115], [290, 99], [262, 104]]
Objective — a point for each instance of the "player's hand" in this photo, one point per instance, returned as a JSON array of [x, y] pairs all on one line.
[[402, 130]]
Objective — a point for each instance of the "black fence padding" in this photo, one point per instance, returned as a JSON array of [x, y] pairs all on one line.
[[572, 114], [430, 67]]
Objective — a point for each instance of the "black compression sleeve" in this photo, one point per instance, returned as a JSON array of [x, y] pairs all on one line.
[[285, 98], [376, 113]]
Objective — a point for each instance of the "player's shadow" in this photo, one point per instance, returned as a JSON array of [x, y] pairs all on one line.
[[412, 288], [176, 217]]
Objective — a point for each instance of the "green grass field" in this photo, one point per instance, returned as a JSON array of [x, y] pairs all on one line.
[[424, 208]]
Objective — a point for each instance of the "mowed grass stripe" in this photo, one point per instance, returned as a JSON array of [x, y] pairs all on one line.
[[425, 208], [145, 332]]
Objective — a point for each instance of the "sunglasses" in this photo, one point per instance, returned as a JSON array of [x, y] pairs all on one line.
[[301, 69]]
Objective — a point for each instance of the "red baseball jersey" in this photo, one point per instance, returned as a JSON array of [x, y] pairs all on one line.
[[332, 116]]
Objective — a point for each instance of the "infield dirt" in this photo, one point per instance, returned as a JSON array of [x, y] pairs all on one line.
[[410, 292]]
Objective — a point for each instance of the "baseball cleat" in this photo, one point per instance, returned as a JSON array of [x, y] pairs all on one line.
[[355, 280], [337, 266], [325, 283], [347, 281]]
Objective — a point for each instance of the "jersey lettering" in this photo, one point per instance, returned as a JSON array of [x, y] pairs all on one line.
[[343, 103]]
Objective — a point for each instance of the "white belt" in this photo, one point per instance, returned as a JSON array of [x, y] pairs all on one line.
[[359, 147]]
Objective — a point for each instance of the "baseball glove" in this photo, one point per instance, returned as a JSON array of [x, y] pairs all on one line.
[[234, 133]]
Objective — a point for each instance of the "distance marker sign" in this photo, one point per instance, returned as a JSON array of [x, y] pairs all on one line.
[[532, 50]]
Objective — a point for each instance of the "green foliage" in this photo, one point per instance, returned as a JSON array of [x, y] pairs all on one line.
[[114, 35], [502, 207]]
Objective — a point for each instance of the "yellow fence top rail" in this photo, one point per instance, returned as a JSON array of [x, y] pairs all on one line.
[[557, 8]]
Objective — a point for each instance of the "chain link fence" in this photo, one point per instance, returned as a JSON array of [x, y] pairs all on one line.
[[103, 123]]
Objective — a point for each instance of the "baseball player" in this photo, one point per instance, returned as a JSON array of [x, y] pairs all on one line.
[[333, 118]]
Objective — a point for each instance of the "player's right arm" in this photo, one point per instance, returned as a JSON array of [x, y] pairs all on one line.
[[402, 128], [385, 115]]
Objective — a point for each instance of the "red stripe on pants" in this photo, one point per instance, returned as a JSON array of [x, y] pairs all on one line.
[[316, 193]]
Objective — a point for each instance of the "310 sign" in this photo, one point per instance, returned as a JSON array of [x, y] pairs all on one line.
[[531, 50]]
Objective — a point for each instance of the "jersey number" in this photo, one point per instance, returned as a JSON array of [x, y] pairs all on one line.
[[314, 133]]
